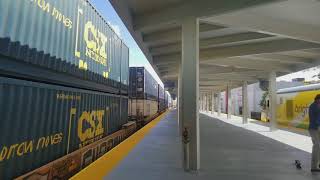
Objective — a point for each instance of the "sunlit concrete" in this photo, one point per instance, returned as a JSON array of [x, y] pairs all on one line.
[[245, 152], [300, 139]]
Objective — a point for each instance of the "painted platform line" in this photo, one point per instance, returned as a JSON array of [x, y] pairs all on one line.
[[105, 164]]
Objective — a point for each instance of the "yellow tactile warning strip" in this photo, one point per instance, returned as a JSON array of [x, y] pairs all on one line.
[[104, 165]]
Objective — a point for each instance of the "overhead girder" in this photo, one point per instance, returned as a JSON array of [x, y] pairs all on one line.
[[287, 59], [238, 72], [228, 78], [256, 48], [244, 36], [206, 43], [174, 14], [281, 18], [251, 64], [205, 68], [218, 88], [273, 46], [173, 35], [247, 64], [215, 71], [218, 83]]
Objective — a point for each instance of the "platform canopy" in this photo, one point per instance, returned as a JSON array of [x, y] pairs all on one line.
[[239, 39]]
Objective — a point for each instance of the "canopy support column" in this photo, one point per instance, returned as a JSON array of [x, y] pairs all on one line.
[[245, 102], [212, 102], [273, 100], [190, 93], [219, 104], [229, 102]]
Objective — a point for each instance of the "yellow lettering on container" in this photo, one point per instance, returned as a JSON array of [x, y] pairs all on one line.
[[3, 153], [95, 43], [12, 148], [28, 147], [95, 120], [21, 149], [45, 6]]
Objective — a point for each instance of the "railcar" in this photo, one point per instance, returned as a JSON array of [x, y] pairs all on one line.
[[292, 105]]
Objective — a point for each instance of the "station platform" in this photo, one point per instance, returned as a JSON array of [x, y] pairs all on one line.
[[229, 151]]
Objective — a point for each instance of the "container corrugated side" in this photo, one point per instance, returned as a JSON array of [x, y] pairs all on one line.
[[61, 38], [140, 83], [151, 86], [42, 122], [132, 83], [161, 92], [124, 111], [125, 69]]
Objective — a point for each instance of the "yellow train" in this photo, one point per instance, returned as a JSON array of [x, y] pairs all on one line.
[[292, 105]]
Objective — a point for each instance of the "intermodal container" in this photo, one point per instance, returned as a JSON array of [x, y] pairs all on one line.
[[42, 122], [125, 70], [161, 100], [142, 85], [136, 84], [151, 86], [61, 42]]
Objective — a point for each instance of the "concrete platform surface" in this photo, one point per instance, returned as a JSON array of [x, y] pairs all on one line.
[[228, 152], [294, 137]]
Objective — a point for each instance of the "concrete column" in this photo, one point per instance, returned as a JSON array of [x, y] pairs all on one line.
[[219, 104], [229, 101], [202, 101], [190, 91], [208, 102], [273, 100], [179, 101], [245, 102], [212, 102]]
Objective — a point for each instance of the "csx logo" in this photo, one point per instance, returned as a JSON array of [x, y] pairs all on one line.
[[96, 43], [90, 124]]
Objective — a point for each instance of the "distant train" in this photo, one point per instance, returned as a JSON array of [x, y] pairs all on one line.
[[147, 98], [293, 104]]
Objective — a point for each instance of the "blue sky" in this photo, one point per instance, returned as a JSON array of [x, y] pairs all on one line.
[[136, 57]]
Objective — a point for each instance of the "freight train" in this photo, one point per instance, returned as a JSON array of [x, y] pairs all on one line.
[[293, 104], [147, 98], [64, 86]]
